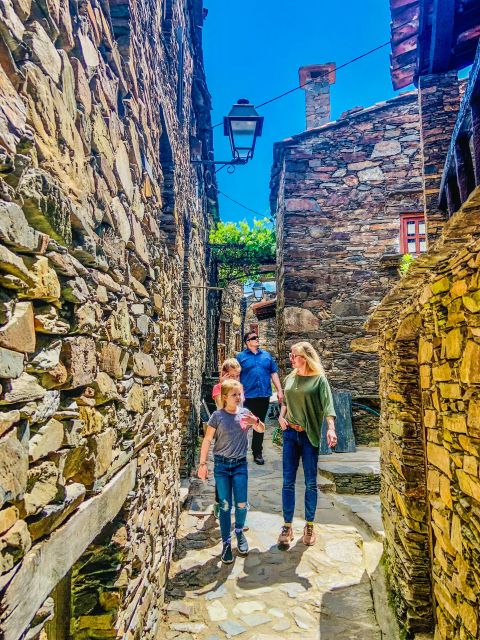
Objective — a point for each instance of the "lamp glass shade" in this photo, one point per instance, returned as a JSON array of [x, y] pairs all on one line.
[[243, 125], [258, 290]]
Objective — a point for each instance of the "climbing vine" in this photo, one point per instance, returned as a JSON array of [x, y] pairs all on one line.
[[405, 263], [241, 250]]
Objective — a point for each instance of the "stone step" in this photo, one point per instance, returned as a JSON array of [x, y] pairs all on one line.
[[352, 473], [366, 508], [326, 485], [184, 491]]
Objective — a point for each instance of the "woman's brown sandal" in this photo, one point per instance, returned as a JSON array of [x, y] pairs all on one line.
[[309, 536]]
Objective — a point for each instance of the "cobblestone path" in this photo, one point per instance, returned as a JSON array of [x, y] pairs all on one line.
[[324, 591]]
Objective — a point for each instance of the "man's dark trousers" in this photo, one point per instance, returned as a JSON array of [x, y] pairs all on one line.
[[259, 408]]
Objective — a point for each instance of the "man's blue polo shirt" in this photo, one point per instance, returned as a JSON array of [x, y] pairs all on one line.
[[257, 369]]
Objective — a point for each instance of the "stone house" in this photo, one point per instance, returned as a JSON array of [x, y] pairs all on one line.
[[103, 263], [344, 194], [229, 341], [429, 339], [261, 316]]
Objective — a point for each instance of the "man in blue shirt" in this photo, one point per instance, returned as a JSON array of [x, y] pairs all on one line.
[[259, 370]]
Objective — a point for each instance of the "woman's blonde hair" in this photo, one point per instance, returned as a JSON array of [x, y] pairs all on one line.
[[227, 386], [230, 363], [314, 364]]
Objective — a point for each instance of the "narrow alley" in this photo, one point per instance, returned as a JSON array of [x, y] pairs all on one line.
[[189, 219], [325, 591]]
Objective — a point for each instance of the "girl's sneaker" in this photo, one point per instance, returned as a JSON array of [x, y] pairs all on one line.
[[242, 543], [227, 554], [286, 536]]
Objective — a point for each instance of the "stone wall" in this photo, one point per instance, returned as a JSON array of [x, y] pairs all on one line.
[[277, 204], [430, 431], [232, 318], [267, 327], [337, 192], [439, 101], [365, 418], [403, 482], [103, 224]]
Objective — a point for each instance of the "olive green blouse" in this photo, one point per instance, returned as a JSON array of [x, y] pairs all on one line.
[[309, 399]]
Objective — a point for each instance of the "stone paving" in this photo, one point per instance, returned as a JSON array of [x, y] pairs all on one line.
[[324, 591]]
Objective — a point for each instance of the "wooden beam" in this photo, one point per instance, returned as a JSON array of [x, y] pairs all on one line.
[[50, 560], [442, 37], [470, 96], [476, 137]]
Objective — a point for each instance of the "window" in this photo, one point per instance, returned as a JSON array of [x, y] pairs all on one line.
[[228, 326], [222, 354], [412, 233], [222, 332], [221, 344]]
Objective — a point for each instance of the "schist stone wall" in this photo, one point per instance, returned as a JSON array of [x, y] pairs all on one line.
[[103, 224], [429, 385], [231, 320], [267, 324], [337, 192], [430, 433]]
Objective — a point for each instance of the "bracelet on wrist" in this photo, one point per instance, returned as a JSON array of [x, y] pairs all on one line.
[[202, 464]]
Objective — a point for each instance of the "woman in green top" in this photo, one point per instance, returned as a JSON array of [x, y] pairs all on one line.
[[308, 399]]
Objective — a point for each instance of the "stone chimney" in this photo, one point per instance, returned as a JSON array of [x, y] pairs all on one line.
[[317, 78]]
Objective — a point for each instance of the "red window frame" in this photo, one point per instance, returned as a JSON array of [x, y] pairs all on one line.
[[406, 220]]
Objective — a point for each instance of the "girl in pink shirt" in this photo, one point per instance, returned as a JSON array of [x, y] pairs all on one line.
[[230, 371]]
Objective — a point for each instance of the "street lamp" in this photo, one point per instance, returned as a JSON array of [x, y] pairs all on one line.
[[258, 291], [243, 126]]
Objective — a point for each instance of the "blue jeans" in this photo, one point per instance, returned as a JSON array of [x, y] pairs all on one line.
[[296, 445], [231, 477]]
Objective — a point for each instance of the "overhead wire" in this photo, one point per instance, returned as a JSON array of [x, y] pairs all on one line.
[[325, 74], [301, 86], [244, 206]]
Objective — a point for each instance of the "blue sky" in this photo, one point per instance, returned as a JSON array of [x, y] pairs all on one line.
[[253, 49]]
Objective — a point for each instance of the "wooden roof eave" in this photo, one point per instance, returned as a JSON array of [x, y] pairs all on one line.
[[404, 34], [432, 36], [461, 125]]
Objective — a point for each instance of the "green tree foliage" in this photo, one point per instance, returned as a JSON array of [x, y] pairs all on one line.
[[241, 249]]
